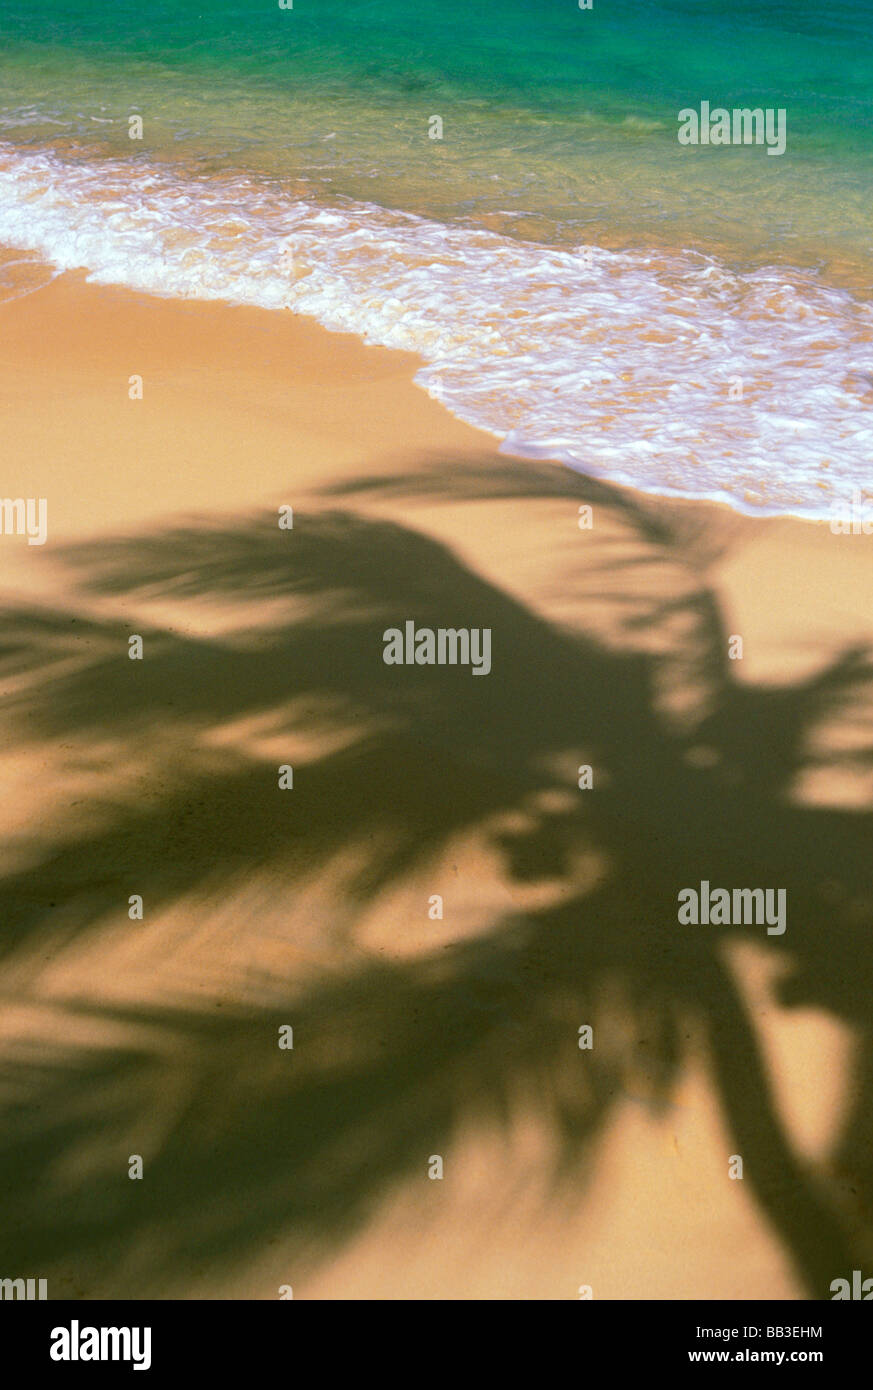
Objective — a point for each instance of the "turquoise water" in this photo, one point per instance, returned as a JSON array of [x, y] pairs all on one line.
[[643, 57], [576, 281]]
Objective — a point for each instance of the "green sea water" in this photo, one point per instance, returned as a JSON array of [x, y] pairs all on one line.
[[562, 119]]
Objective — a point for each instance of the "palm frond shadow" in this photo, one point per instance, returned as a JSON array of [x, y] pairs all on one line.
[[393, 1060]]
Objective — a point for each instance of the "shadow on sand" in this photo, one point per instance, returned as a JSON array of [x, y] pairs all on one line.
[[392, 1059]]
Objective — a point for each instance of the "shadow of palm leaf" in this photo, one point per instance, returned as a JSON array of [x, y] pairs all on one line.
[[392, 1061]]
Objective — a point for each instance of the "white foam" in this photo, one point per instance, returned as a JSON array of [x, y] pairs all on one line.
[[620, 364]]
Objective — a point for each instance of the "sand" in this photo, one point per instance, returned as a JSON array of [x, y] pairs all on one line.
[[416, 1036]]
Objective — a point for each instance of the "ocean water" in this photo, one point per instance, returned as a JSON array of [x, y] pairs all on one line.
[[693, 320]]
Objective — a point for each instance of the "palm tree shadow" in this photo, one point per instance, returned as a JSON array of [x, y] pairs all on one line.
[[392, 1060]]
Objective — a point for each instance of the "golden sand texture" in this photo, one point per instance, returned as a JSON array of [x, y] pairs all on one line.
[[415, 1035]]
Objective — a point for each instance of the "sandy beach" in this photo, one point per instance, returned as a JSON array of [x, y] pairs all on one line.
[[417, 1033]]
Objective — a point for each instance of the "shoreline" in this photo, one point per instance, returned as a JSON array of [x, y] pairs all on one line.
[[347, 404], [640, 343], [846, 270]]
